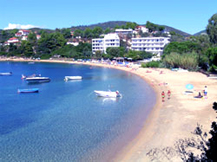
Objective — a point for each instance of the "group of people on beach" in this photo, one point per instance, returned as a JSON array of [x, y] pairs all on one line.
[[163, 95], [205, 91]]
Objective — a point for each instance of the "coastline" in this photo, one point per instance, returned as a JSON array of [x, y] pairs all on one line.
[[174, 119]]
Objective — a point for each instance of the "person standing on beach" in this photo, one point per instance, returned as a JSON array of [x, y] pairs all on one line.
[[205, 91], [169, 93], [163, 96]]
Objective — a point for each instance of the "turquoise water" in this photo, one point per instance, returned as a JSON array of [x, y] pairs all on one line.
[[65, 121]]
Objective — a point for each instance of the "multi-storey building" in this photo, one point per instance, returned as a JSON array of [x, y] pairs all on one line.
[[101, 44], [153, 45], [122, 32]]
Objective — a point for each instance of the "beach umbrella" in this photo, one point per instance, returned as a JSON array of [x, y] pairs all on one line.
[[189, 86]]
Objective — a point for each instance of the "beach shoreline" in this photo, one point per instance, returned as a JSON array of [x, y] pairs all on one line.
[[170, 120]]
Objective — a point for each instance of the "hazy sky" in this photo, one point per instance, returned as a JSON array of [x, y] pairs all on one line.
[[190, 16]]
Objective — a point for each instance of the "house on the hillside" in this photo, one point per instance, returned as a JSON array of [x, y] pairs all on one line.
[[12, 40], [73, 43], [153, 45], [101, 44], [141, 28], [22, 32], [38, 36], [18, 34], [72, 33], [24, 37]]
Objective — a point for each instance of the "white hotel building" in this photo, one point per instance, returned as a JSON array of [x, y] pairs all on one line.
[[101, 44], [153, 45]]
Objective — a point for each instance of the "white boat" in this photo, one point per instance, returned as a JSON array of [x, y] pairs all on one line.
[[37, 79], [72, 78], [108, 94], [6, 73], [33, 75]]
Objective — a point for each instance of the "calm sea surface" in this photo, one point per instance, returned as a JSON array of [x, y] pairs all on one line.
[[65, 121]]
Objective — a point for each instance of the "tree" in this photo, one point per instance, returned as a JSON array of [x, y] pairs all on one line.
[[78, 33], [133, 54], [97, 31], [182, 47], [108, 30], [98, 55], [88, 33], [117, 27], [66, 33], [151, 26], [113, 51], [161, 28], [13, 31], [3, 35], [211, 29], [212, 56], [145, 55], [80, 48], [27, 48], [32, 38], [131, 25], [12, 49], [50, 42]]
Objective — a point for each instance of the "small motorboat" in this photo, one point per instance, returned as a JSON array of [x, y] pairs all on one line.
[[72, 78], [30, 90], [33, 75], [6, 74], [108, 94], [37, 79]]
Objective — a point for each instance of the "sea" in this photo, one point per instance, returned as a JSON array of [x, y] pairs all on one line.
[[66, 121]]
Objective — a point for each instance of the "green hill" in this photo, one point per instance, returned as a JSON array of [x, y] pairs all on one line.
[[109, 24], [201, 32], [169, 29], [112, 24]]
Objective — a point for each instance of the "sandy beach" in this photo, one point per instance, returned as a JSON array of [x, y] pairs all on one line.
[[174, 119]]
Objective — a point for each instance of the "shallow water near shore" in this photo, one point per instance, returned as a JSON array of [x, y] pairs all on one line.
[[65, 121]]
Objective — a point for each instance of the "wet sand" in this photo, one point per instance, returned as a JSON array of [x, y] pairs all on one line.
[[174, 119]]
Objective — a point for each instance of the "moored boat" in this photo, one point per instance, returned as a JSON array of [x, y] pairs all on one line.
[[37, 79], [72, 78], [6, 74], [33, 75], [30, 90], [108, 94]]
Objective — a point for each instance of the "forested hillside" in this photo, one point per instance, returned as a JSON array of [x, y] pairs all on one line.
[[109, 24], [113, 24]]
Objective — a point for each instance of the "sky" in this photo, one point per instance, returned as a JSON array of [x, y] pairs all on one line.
[[190, 16]]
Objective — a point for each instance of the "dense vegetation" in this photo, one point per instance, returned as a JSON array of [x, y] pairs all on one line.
[[114, 24]]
